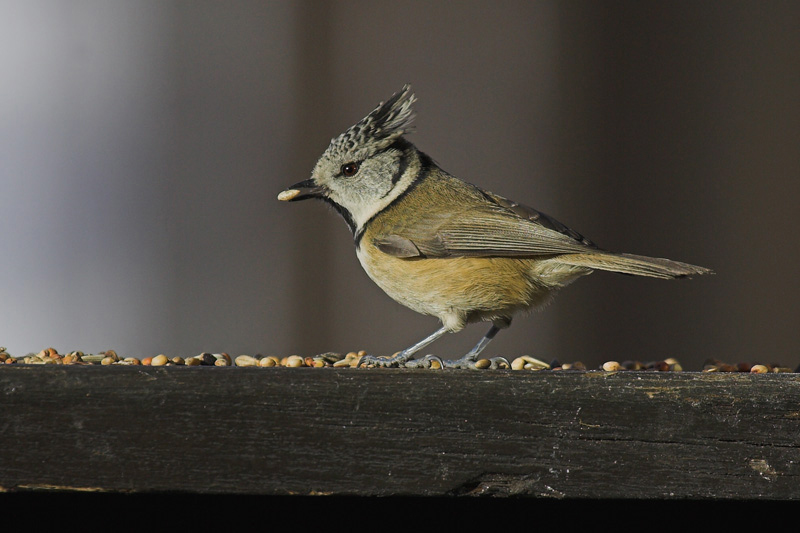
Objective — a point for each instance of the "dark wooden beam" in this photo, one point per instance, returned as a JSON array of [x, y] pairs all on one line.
[[386, 432]]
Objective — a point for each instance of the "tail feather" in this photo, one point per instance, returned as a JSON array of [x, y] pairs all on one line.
[[636, 265]]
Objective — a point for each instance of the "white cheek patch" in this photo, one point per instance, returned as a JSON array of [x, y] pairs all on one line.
[[363, 209]]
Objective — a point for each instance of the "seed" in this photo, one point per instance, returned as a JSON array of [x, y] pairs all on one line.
[[632, 365], [47, 352], [177, 360], [269, 361], [329, 357], [132, 361], [658, 366], [611, 366], [351, 359], [246, 360], [294, 361], [193, 361], [207, 359], [435, 363], [483, 363], [526, 362], [107, 361], [222, 357], [159, 360], [758, 369]]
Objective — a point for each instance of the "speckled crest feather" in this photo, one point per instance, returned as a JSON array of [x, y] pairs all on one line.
[[379, 129]]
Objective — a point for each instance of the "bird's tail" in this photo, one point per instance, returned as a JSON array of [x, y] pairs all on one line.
[[636, 265]]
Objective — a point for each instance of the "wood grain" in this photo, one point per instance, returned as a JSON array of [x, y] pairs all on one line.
[[400, 432]]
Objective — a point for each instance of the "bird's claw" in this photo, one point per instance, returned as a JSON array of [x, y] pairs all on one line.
[[383, 362], [499, 363], [429, 361], [371, 360], [434, 362], [471, 363]]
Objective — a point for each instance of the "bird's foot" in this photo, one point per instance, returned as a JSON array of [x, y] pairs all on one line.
[[470, 362], [473, 363], [399, 359], [429, 361]]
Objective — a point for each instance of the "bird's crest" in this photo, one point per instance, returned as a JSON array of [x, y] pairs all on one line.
[[373, 133]]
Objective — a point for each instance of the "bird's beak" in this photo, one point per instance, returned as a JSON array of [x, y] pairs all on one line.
[[301, 191]]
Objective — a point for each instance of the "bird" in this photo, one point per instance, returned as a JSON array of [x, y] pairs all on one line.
[[444, 247]]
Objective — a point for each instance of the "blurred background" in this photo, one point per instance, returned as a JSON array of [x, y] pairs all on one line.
[[143, 143]]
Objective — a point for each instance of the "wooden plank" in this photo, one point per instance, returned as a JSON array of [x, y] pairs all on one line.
[[386, 432]]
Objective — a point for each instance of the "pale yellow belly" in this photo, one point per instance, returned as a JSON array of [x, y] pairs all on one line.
[[461, 289]]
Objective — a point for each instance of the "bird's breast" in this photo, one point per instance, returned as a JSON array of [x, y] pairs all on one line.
[[471, 288]]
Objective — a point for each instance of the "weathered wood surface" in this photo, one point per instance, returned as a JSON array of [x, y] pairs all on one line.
[[400, 432]]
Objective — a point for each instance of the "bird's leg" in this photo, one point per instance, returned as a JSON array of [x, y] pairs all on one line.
[[468, 361], [403, 356]]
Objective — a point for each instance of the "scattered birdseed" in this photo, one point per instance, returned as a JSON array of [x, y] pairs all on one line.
[[159, 360], [246, 360], [269, 361], [49, 356], [526, 362], [294, 361]]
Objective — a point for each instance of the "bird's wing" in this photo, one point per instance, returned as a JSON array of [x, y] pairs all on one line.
[[497, 227]]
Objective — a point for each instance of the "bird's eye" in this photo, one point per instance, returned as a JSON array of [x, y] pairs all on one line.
[[349, 169]]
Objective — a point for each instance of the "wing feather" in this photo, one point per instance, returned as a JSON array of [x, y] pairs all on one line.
[[497, 227]]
